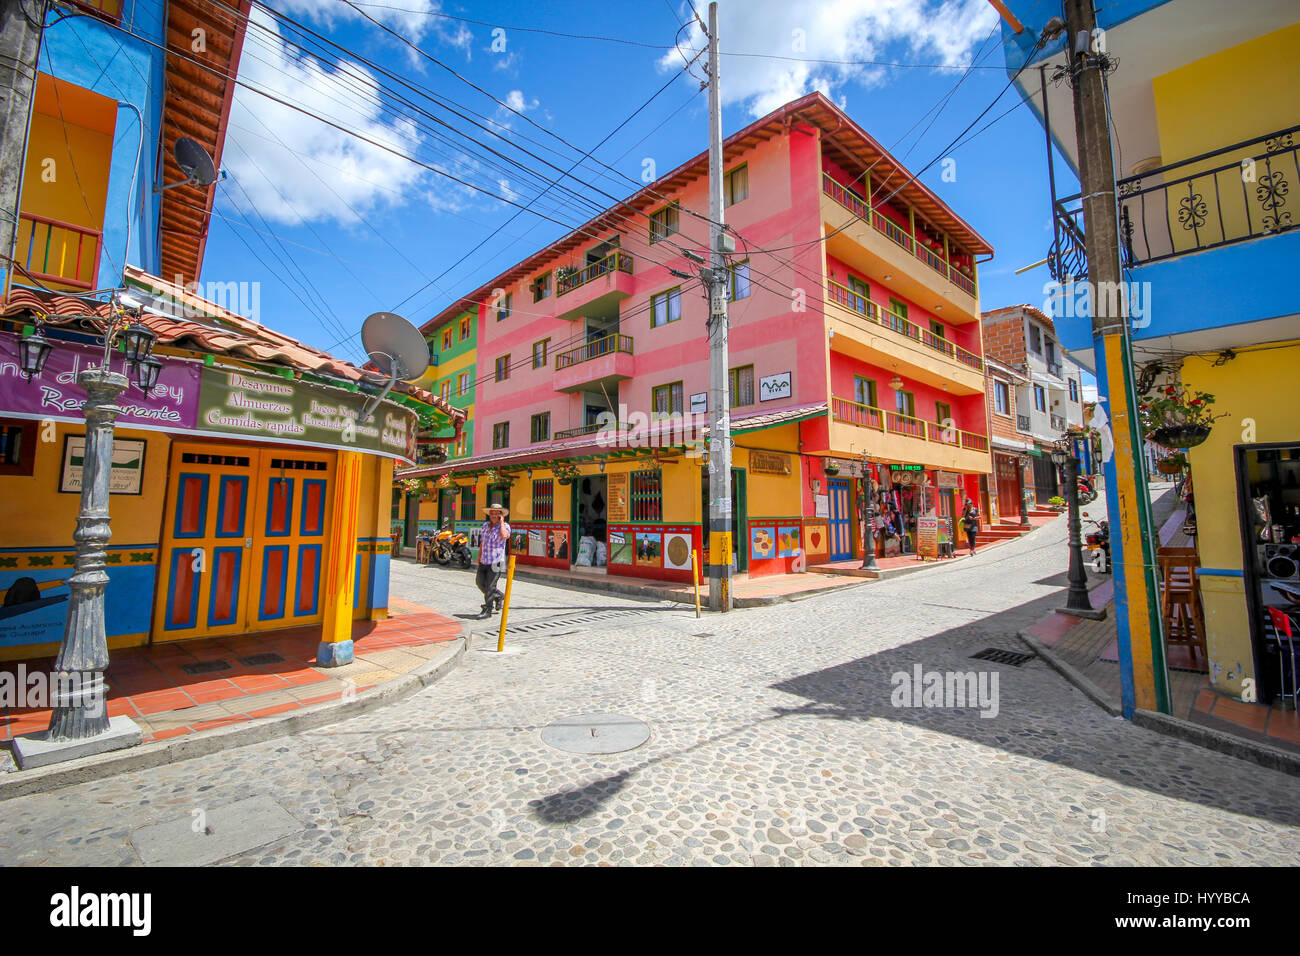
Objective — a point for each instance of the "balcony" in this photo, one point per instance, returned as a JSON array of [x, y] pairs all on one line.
[[601, 362], [875, 334], [57, 252], [1058, 423], [596, 290], [896, 437], [920, 271]]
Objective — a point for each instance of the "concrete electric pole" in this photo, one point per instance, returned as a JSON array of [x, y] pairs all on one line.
[[20, 41], [1144, 679], [721, 545]]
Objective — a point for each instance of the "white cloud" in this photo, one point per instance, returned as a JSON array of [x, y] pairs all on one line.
[[283, 158], [411, 18], [945, 33]]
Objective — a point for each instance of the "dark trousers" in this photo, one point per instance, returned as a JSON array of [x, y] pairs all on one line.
[[970, 537], [487, 579]]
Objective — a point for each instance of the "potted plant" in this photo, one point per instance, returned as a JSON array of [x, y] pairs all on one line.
[[1172, 464], [411, 486], [1177, 417], [1056, 502], [832, 467], [565, 472]]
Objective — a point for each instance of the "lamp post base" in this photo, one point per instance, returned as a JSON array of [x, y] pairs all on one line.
[[37, 750], [1091, 613]]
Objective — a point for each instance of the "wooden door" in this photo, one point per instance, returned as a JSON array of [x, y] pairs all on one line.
[[841, 519], [1008, 478]]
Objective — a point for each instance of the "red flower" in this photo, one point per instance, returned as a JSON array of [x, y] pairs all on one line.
[[1171, 390], [1195, 401]]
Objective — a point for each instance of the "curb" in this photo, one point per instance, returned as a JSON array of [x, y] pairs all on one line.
[[20, 783], [1211, 739], [668, 594], [1089, 689]]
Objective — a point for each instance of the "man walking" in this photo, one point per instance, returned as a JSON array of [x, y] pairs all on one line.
[[492, 558]]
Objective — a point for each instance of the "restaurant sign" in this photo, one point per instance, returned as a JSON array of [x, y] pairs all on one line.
[[266, 408]]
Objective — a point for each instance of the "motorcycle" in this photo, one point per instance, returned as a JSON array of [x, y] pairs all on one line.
[[1098, 544], [1087, 491], [460, 552], [449, 546]]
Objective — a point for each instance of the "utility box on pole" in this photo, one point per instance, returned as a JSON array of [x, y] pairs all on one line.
[[721, 545]]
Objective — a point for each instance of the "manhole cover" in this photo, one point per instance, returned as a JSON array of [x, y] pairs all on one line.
[[998, 656], [257, 660], [205, 667], [596, 734]]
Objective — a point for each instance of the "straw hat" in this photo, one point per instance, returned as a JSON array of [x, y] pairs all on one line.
[[501, 508]]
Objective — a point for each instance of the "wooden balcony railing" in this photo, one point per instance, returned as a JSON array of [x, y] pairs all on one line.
[[896, 233], [617, 260], [868, 416], [842, 295], [594, 349], [54, 251], [584, 430]]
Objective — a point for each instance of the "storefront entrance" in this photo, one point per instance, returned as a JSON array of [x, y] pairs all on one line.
[[841, 519], [243, 540], [739, 516], [590, 516]]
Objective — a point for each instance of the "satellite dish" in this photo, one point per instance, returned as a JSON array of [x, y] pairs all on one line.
[[194, 162], [397, 347]]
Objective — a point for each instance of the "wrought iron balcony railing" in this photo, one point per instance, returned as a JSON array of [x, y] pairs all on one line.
[[617, 260], [1022, 423], [1218, 198], [594, 349]]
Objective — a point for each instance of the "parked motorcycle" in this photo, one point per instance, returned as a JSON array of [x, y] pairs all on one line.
[[442, 546], [1098, 544], [460, 552], [1087, 490]]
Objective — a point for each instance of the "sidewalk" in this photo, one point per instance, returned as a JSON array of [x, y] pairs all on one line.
[[1087, 654], [172, 690]]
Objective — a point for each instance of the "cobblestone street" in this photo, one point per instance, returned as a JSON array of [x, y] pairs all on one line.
[[773, 742]]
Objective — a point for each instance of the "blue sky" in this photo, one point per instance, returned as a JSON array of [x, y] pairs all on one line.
[[335, 228]]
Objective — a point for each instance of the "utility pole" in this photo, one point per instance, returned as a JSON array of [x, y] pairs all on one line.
[[20, 42], [1144, 678], [720, 543]]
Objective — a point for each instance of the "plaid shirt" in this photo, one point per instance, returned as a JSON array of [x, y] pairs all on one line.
[[491, 548]]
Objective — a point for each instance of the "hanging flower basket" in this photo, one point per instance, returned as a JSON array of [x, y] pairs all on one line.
[[1172, 464], [565, 472], [832, 468], [1179, 436]]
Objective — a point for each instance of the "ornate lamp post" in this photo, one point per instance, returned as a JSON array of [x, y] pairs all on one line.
[[868, 517], [1076, 601], [1025, 493], [80, 725]]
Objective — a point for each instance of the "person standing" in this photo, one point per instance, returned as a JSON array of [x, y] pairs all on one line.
[[970, 523], [493, 539]]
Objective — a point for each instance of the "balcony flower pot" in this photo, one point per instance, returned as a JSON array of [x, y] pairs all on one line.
[[1180, 435]]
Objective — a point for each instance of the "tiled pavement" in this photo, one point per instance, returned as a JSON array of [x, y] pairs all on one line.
[[150, 684]]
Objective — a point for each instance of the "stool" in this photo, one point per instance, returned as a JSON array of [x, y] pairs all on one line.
[[1180, 603]]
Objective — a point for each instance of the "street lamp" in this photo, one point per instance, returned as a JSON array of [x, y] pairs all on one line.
[[1076, 601], [1025, 493], [869, 517], [79, 724]]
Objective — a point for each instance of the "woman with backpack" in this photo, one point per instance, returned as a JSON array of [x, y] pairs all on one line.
[[970, 523]]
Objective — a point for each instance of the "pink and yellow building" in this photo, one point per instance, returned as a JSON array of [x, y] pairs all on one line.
[[854, 331]]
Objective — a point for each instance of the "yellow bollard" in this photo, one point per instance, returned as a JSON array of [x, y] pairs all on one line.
[[505, 605], [695, 576]]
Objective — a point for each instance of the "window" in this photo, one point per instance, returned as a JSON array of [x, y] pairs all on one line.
[[862, 291], [445, 390], [1035, 340], [503, 305], [738, 281], [864, 391], [543, 498], [905, 403], [740, 386], [664, 222], [446, 338], [942, 412], [501, 435], [938, 329], [898, 307], [464, 328], [17, 447], [666, 399], [503, 368], [1074, 390], [1002, 398], [541, 428], [462, 445], [1040, 398], [1051, 351], [462, 386], [468, 503], [541, 287], [735, 186], [665, 307], [539, 353], [647, 496]]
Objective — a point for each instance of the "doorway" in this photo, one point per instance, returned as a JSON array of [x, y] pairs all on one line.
[[590, 514], [739, 517], [1007, 472], [244, 542], [841, 519]]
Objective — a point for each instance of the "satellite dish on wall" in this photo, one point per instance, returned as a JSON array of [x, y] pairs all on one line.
[[195, 163], [397, 347]]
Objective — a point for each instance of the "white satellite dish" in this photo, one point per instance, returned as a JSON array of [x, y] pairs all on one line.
[[397, 348]]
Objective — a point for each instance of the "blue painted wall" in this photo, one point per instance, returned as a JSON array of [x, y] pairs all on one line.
[[1034, 13]]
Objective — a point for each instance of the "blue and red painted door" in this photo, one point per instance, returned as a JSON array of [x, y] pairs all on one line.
[[841, 518], [244, 540]]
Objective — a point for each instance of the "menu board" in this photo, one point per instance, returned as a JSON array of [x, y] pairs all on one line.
[[927, 536], [616, 491]]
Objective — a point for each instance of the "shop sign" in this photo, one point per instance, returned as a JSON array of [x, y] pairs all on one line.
[[699, 403], [947, 479], [907, 467], [822, 506], [616, 494], [170, 406], [266, 408], [769, 463], [927, 536], [125, 475], [772, 387]]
